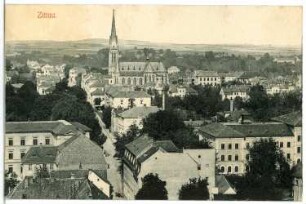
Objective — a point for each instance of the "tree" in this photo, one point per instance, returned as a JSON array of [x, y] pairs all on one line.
[[162, 123], [8, 65], [107, 116], [10, 182], [152, 188], [97, 101], [195, 189]]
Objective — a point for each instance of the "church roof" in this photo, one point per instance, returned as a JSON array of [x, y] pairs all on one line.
[[142, 67]]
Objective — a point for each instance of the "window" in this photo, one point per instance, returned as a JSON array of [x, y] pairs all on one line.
[[288, 144], [222, 169], [299, 138], [229, 146], [11, 155], [281, 144], [247, 157], [288, 156], [229, 169], [222, 146], [299, 160], [22, 142], [222, 157], [51, 166], [236, 169], [236, 157], [30, 166], [22, 155], [121, 101], [199, 156], [199, 167], [10, 169], [236, 146], [299, 150], [47, 140], [11, 143], [35, 141], [229, 157], [141, 101], [247, 145]]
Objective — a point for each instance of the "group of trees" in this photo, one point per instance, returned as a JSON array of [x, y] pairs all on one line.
[[153, 188], [67, 103], [268, 174]]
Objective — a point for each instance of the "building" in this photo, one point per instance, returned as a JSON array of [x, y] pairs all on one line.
[[143, 156], [298, 182], [182, 91], [231, 92], [77, 153], [141, 74], [230, 76], [21, 136], [279, 89], [173, 70], [211, 78], [76, 184], [75, 76], [294, 122], [127, 99], [232, 140], [121, 122]]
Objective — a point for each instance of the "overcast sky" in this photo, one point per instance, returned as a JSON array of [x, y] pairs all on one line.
[[258, 25]]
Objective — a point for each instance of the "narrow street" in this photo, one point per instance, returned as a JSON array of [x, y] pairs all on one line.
[[113, 174]]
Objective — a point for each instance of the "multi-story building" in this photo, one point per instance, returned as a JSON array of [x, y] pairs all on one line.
[[206, 78], [21, 136], [231, 92], [127, 99], [121, 122], [176, 167], [232, 141]]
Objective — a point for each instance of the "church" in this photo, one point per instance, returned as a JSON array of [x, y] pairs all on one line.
[[142, 74]]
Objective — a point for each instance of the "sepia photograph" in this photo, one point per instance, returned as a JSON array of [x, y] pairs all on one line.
[[153, 102]]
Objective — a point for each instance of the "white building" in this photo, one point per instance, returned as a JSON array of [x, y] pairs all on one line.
[[144, 156], [128, 99], [173, 70], [75, 76], [206, 78], [232, 140], [231, 92], [122, 122], [182, 91], [21, 136]]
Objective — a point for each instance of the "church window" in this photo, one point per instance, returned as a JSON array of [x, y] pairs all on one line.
[[129, 81]]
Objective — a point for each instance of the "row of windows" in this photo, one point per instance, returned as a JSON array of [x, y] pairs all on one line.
[[207, 79], [11, 155], [229, 146], [229, 169], [229, 157], [23, 141]]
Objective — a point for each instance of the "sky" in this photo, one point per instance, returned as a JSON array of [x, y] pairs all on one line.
[[257, 25]]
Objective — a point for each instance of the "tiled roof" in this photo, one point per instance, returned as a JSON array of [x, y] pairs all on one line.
[[140, 145], [130, 94], [235, 88], [139, 112], [141, 66], [293, 119], [59, 127], [40, 155], [236, 130], [202, 73], [167, 145]]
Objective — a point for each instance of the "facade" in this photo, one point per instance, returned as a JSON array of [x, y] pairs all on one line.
[[75, 76], [232, 140], [211, 78], [231, 92], [121, 122], [176, 167], [127, 99], [21, 136], [143, 74]]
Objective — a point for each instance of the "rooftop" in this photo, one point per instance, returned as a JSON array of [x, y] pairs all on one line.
[[203, 73], [293, 119], [130, 94], [139, 112]]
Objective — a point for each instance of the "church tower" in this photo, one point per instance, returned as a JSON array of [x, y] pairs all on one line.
[[113, 59]]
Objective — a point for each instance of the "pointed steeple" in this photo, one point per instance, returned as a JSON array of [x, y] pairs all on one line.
[[113, 33]]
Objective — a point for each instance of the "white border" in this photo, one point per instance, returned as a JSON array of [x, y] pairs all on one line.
[[143, 2]]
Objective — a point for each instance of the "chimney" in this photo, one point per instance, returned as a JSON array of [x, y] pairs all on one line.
[[231, 105]]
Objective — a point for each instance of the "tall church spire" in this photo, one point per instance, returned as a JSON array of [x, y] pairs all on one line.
[[113, 33]]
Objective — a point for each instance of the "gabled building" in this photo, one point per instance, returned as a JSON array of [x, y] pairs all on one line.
[[231, 92], [231, 141], [21, 136], [211, 78], [121, 122], [176, 167]]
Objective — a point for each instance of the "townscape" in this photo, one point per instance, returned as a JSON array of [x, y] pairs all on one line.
[[153, 124]]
